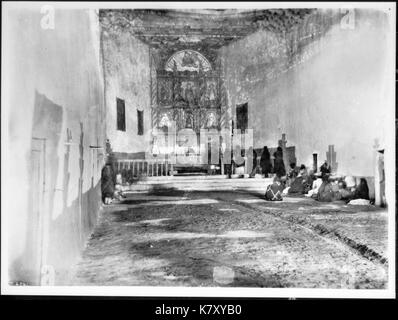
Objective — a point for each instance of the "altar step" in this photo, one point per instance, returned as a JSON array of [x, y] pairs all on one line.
[[199, 183]]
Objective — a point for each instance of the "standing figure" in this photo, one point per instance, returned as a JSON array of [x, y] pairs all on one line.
[[211, 121], [189, 120], [211, 94], [189, 94], [265, 162], [279, 166], [229, 167], [202, 92], [253, 173], [178, 98]]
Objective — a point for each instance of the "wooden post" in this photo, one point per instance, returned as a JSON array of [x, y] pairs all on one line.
[[331, 159], [315, 162]]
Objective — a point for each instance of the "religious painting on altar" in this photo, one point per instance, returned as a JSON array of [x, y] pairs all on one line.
[[211, 93], [164, 120], [211, 120], [189, 92], [202, 92], [188, 60], [165, 91], [178, 93], [189, 119]]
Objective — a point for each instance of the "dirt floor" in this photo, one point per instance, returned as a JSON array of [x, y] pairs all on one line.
[[169, 237]]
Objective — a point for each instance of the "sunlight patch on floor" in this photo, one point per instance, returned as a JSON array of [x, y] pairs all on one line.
[[194, 235], [141, 197], [244, 234], [254, 200], [154, 222], [124, 206]]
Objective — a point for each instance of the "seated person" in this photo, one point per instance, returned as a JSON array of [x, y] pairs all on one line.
[[107, 184], [274, 190], [303, 183], [293, 173], [298, 185], [350, 182], [335, 185], [362, 190], [325, 192], [325, 168], [344, 193], [316, 184]]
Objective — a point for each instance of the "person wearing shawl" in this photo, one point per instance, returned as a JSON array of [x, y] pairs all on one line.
[[343, 193], [292, 173], [325, 168], [254, 168], [279, 166], [325, 192], [362, 191], [274, 190], [303, 183], [265, 162], [107, 183]]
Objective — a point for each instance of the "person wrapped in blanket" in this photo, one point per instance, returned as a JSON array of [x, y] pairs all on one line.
[[335, 191], [274, 190], [265, 162], [325, 191], [108, 182], [302, 183], [279, 165], [292, 173], [360, 192]]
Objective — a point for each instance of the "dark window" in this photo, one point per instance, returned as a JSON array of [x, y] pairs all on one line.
[[140, 117], [241, 117], [121, 115]]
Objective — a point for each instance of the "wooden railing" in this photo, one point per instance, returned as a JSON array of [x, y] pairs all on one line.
[[144, 168]]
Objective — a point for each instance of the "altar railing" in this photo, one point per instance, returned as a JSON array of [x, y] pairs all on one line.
[[129, 168]]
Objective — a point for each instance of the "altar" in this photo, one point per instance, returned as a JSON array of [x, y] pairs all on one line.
[[187, 101]]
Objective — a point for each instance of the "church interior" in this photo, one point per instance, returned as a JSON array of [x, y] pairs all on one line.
[[159, 95]]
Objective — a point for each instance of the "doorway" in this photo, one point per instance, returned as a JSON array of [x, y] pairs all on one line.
[[37, 204]]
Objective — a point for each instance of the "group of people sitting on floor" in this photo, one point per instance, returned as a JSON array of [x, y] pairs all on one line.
[[321, 187]]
